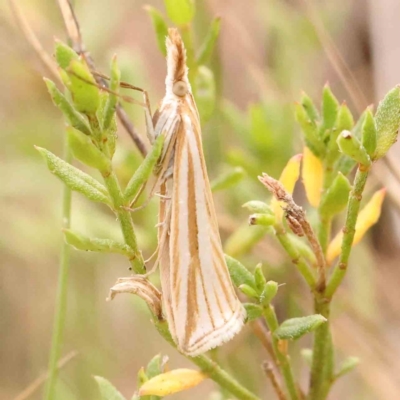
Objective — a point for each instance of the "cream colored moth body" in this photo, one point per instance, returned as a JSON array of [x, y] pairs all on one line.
[[200, 303]]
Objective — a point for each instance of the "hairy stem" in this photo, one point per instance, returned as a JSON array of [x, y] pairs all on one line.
[[211, 368], [62, 291], [282, 357], [125, 221]]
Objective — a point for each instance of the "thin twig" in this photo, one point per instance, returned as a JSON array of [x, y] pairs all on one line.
[[264, 337], [32, 39], [269, 371], [298, 222], [35, 385], [74, 34]]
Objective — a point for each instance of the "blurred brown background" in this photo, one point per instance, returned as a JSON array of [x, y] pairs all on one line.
[[268, 51]]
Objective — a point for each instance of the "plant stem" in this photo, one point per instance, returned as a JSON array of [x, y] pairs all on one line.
[[324, 230], [353, 208], [211, 368], [62, 291], [295, 256], [125, 221], [283, 359]]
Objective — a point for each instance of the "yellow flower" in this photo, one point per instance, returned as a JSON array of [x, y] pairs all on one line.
[[171, 382], [367, 217], [313, 175], [288, 178]]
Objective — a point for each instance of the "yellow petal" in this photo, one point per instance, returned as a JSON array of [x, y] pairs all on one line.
[[368, 216], [313, 175], [288, 178], [172, 382]]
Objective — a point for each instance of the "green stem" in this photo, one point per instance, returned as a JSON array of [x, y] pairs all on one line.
[[211, 368], [295, 256], [349, 230], [125, 221], [62, 290], [283, 359], [324, 230]]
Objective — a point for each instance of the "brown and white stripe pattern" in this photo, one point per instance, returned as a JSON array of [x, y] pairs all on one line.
[[200, 303]]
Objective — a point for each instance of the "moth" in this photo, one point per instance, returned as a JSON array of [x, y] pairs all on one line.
[[200, 303]]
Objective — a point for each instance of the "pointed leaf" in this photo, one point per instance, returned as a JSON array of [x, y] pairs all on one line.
[[64, 54], [239, 273], [112, 98], [259, 278], [270, 291], [74, 178], [253, 311], [84, 243], [295, 328], [387, 120], [107, 390], [352, 147], [180, 12], [206, 49], [330, 107], [160, 26], [156, 366], [336, 197], [369, 133], [309, 107], [172, 382]]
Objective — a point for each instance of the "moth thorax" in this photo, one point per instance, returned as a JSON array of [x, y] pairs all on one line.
[[180, 88]]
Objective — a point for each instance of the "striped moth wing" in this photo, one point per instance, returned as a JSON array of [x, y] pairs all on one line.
[[200, 302]]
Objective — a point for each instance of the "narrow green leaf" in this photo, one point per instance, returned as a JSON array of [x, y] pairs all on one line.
[[64, 54], [270, 291], [160, 26], [295, 328], [258, 207], [112, 99], [369, 133], [253, 311], [74, 178], [262, 219], [239, 273], [387, 120], [144, 171], [335, 199], [310, 131], [180, 12], [155, 366], [347, 366], [205, 92], [76, 119], [207, 48], [107, 390], [84, 243], [249, 291], [85, 151], [259, 278], [330, 107], [82, 86], [309, 107], [352, 147], [229, 179]]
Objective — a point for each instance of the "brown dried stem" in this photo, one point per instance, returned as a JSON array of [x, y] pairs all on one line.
[[269, 371]]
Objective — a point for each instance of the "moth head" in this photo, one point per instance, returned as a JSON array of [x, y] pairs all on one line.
[[180, 88]]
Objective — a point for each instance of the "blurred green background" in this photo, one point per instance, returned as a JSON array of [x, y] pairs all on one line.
[[267, 53]]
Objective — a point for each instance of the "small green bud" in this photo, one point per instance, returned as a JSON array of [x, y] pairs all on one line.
[[352, 147], [271, 289], [330, 107], [262, 219], [64, 54], [335, 199], [248, 291], [369, 133], [309, 107], [259, 278]]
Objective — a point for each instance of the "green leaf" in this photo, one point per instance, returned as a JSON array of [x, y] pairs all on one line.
[[295, 328], [309, 107], [180, 12], [387, 120], [142, 174], [155, 366], [85, 151], [253, 311], [64, 54], [83, 87], [259, 278], [239, 273], [107, 390], [160, 26], [270, 291], [205, 92], [76, 119], [84, 243], [369, 133], [74, 178], [207, 48], [262, 219], [330, 107], [258, 207], [352, 147], [112, 99], [347, 366], [229, 179], [310, 131], [335, 199], [248, 291]]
